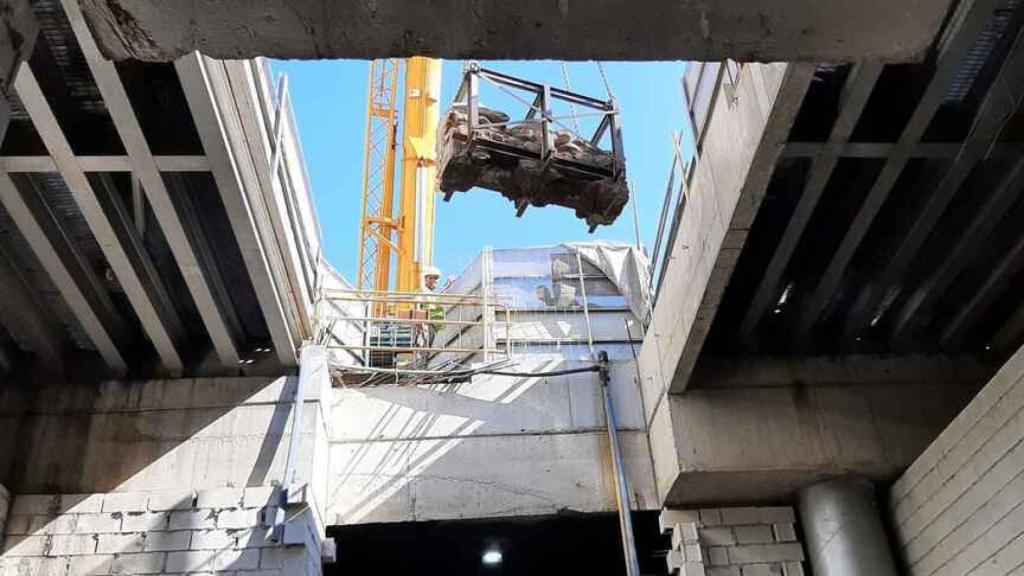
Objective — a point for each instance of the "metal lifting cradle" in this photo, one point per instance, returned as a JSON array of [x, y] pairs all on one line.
[[536, 160]]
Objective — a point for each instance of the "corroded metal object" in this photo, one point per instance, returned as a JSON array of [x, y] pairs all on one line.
[[530, 161]]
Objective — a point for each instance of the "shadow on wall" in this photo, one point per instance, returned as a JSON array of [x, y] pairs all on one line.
[[105, 456], [158, 477], [124, 435], [497, 446]]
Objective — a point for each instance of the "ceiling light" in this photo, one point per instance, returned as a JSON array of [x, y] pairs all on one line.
[[492, 557]]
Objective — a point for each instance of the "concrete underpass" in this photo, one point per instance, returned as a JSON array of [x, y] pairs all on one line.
[[823, 376]]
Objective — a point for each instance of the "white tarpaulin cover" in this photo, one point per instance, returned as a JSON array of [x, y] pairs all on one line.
[[627, 268]]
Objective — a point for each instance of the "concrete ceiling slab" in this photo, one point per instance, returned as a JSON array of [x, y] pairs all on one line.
[[745, 30]]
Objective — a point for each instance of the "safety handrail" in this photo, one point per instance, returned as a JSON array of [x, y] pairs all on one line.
[[389, 329]]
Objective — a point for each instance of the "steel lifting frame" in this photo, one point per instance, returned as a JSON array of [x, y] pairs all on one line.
[[543, 95]]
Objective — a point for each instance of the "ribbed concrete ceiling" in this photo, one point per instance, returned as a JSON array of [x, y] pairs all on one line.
[[892, 223]]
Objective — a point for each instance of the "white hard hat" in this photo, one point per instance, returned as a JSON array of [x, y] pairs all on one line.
[[431, 271]]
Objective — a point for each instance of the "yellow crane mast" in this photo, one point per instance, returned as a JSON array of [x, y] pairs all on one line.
[[414, 223], [377, 224], [419, 170]]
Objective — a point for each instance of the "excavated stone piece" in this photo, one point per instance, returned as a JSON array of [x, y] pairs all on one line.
[[527, 181]]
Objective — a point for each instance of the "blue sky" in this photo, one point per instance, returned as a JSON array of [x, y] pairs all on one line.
[[329, 99]]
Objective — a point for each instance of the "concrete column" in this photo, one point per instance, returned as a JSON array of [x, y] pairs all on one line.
[[843, 529]]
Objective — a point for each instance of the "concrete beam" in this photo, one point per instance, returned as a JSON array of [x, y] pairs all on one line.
[[60, 259], [763, 443], [936, 150], [859, 86], [27, 320], [971, 19], [104, 163], [982, 299], [763, 30], [761, 371], [743, 141], [210, 308], [997, 109], [264, 134], [124, 260], [16, 42], [961, 255], [216, 117]]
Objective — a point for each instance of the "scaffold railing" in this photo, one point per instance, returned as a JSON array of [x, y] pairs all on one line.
[[417, 330]]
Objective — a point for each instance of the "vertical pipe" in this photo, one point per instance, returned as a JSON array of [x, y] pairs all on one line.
[[619, 467], [843, 529], [485, 289], [586, 306], [311, 359]]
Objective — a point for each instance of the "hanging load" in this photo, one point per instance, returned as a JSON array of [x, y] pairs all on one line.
[[536, 160]]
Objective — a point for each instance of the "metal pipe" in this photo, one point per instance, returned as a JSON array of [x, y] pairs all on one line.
[[397, 348], [843, 529], [405, 320], [666, 205], [586, 307], [619, 467], [306, 371], [486, 280]]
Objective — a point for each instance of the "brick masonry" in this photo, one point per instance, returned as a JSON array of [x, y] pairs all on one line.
[[742, 541], [959, 508], [205, 532]]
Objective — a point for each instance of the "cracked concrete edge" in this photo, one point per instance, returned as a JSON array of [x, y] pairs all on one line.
[[826, 30]]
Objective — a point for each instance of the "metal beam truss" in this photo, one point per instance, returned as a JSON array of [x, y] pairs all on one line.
[[378, 223]]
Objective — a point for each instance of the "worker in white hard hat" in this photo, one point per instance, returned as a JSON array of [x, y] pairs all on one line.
[[431, 276]]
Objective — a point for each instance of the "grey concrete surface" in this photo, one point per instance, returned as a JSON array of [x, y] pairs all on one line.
[[763, 30], [483, 477], [160, 434], [497, 446], [763, 443], [744, 139], [168, 477], [753, 371]]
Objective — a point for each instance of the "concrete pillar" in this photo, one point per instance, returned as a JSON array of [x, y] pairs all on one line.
[[843, 529]]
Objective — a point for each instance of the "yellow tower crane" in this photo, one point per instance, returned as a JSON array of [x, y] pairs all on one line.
[[409, 234]]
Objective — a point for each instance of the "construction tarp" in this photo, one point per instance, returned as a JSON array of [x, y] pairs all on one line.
[[626, 266]]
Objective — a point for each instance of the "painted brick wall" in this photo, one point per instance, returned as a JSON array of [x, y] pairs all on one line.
[[959, 508], [733, 542], [207, 532]]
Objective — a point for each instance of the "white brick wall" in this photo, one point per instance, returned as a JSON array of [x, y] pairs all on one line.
[[733, 542], [959, 508], [209, 531]]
